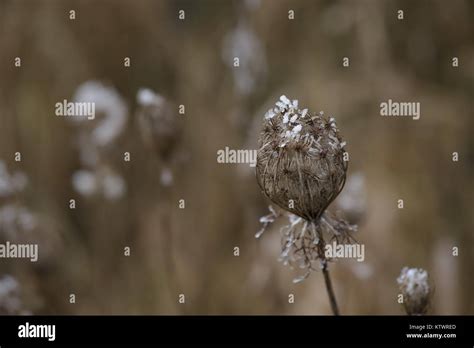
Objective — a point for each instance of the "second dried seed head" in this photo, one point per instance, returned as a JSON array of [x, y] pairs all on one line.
[[300, 161]]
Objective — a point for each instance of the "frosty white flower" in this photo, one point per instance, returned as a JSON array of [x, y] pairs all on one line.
[[107, 102], [414, 286]]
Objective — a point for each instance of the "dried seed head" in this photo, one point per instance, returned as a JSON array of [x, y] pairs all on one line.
[[414, 286], [300, 159], [158, 123]]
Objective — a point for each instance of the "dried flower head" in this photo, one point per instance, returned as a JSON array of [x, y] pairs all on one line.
[[414, 286], [300, 159]]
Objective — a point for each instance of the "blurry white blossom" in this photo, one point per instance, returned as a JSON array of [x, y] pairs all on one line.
[[88, 183], [10, 302], [414, 286], [243, 43], [108, 103], [353, 199], [158, 123], [15, 219]]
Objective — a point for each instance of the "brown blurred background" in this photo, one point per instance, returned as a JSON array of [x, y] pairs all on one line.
[[189, 62]]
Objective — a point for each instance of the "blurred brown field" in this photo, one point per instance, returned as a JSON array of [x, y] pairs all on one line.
[[189, 62]]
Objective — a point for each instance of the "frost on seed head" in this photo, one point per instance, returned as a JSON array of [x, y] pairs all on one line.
[[415, 288], [16, 220]]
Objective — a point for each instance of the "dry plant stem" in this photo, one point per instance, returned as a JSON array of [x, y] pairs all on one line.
[[325, 269]]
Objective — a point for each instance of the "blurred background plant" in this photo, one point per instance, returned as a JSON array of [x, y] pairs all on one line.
[[187, 63]]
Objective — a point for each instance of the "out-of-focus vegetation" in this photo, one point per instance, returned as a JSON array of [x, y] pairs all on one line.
[[190, 62]]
